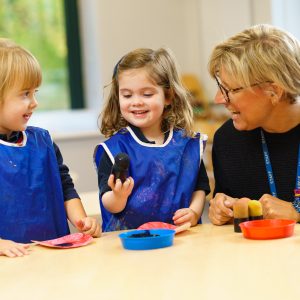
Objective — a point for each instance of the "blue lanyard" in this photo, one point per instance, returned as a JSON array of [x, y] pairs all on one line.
[[270, 171]]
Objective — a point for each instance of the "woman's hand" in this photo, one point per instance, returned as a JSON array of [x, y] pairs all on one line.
[[274, 208], [220, 210], [12, 249]]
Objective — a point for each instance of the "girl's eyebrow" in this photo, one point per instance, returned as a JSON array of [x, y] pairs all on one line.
[[124, 90], [142, 88]]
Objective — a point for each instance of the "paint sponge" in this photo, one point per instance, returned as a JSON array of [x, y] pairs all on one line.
[[240, 213], [255, 210]]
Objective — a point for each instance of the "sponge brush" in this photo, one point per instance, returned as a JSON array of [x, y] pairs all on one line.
[[255, 210], [240, 213]]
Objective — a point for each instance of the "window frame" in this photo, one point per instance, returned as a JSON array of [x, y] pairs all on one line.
[[74, 58]]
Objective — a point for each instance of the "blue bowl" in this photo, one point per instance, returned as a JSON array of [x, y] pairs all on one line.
[[147, 239]]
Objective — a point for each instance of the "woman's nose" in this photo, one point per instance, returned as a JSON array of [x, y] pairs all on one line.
[[219, 98]]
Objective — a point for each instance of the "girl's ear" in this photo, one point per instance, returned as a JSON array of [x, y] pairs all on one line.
[[169, 95], [168, 101]]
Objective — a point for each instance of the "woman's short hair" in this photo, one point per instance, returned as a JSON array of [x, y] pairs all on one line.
[[262, 53]]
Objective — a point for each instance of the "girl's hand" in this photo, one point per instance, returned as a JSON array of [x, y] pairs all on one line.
[[12, 249], [274, 208], [90, 226], [185, 215], [121, 190], [116, 199]]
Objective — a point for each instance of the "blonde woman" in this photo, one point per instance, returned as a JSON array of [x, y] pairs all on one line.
[[148, 117], [256, 153]]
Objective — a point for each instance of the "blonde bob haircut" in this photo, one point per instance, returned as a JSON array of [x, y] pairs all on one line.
[[262, 53], [162, 70], [18, 68]]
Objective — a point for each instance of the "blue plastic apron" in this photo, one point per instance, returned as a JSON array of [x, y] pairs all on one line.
[[165, 177], [31, 196]]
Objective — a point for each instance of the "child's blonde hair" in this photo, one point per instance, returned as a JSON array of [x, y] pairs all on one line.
[[261, 53], [18, 68], [162, 68]]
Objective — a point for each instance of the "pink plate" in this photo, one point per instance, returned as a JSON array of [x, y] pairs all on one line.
[[162, 225], [68, 241]]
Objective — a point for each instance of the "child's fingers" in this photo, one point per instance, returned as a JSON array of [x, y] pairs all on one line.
[[8, 253], [15, 252], [25, 246], [110, 181], [86, 224], [94, 231], [80, 224], [183, 227], [90, 226], [97, 232], [117, 186], [19, 251], [179, 213], [182, 220], [128, 184]]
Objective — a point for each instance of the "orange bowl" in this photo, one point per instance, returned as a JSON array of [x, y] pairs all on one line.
[[268, 229]]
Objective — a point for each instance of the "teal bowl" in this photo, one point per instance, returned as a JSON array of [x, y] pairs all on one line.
[[147, 239]]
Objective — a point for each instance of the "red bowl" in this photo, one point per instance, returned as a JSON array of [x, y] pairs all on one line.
[[268, 229]]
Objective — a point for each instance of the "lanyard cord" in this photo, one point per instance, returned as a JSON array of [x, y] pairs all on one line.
[[269, 170]]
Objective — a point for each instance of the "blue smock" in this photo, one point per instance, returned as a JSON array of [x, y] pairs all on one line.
[[164, 176], [31, 196]]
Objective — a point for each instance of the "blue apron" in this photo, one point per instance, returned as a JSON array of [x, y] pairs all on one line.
[[164, 176], [31, 196]]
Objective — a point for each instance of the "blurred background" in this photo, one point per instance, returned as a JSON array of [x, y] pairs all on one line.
[[79, 42]]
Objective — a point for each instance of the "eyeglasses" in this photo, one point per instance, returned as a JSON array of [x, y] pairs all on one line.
[[225, 92]]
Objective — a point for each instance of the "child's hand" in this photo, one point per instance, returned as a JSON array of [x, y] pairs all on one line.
[[90, 226], [185, 215], [12, 249], [121, 190]]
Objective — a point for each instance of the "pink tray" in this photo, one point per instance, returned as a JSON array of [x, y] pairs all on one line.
[[162, 225], [68, 241]]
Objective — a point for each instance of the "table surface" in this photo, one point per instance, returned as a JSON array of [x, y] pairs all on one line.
[[205, 262]]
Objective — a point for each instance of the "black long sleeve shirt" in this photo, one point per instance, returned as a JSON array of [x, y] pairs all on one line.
[[239, 166]]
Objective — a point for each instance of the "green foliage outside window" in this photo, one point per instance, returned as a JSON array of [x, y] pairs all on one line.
[[39, 26]]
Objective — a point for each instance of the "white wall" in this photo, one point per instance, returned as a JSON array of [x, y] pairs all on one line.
[[190, 28], [112, 28]]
